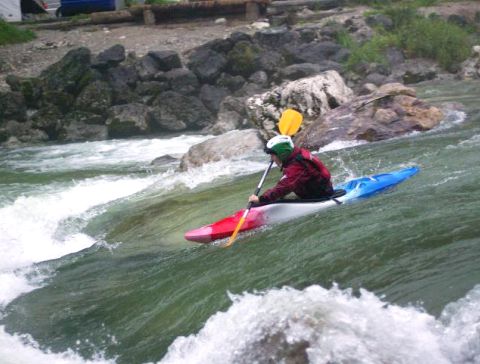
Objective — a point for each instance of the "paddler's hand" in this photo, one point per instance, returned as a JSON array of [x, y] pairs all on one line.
[[253, 199]]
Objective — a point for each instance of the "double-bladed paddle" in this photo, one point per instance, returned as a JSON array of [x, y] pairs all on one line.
[[289, 124]]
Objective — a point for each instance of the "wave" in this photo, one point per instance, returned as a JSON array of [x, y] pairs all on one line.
[[319, 326]]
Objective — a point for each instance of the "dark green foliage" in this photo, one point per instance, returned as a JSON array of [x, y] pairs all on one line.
[[371, 51], [447, 43], [10, 34]]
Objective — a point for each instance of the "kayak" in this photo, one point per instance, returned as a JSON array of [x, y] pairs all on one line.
[[284, 210]]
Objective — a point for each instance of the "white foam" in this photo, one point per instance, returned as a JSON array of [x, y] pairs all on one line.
[[29, 225], [341, 144], [328, 326], [22, 349], [112, 153]]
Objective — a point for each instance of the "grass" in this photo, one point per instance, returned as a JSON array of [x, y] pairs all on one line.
[[9, 34]]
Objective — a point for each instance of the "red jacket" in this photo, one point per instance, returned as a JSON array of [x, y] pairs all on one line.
[[303, 174]]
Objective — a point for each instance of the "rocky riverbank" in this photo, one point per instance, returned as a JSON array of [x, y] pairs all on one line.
[[238, 81]]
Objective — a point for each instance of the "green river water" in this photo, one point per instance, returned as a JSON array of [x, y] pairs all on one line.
[[94, 267]]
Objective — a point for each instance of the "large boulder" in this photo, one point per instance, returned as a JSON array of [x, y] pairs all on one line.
[[70, 74], [315, 52], [312, 96], [147, 67], [391, 111], [182, 81], [243, 59], [30, 88], [207, 64], [128, 120], [75, 131], [96, 98], [110, 57], [231, 115], [50, 120], [173, 111], [22, 133], [166, 60], [276, 37], [122, 80], [12, 107], [229, 145], [212, 97]]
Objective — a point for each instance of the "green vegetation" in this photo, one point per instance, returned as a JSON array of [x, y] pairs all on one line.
[[372, 51], [446, 43], [434, 38], [160, 2], [386, 3], [10, 34]]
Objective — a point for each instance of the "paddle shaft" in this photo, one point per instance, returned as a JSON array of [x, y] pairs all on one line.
[[249, 206]]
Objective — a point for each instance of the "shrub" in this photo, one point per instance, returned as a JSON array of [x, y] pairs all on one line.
[[372, 51], [10, 34], [446, 43]]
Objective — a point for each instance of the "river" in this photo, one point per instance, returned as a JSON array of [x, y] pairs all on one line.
[[94, 267]]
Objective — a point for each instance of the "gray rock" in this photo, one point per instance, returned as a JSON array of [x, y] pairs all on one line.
[[128, 120], [166, 60], [96, 98], [48, 119], [147, 68], [236, 37], [230, 145], [151, 88], [276, 37], [212, 96], [24, 133], [171, 108], [122, 80], [380, 20], [232, 115], [110, 57], [162, 119], [233, 83], [12, 107], [316, 52], [207, 64], [164, 160], [296, 71], [259, 78], [70, 74], [270, 61], [182, 81], [75, 131], [30, 88], [85, 117], [375, 78]]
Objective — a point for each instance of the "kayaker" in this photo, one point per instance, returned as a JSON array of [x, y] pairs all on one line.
[[303, 173]]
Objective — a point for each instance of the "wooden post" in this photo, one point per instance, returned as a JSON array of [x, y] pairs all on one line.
[[252, 11], [148, 16]]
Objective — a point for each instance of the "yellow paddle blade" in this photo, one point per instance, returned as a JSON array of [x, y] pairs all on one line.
[[290, 122], [235, 232]]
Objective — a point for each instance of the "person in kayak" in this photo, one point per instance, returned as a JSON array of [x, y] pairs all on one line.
[[303, 173]]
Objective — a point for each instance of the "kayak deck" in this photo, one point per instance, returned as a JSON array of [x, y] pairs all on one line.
[[284, 210]]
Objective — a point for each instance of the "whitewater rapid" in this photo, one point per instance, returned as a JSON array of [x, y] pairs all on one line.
[[44, 223]]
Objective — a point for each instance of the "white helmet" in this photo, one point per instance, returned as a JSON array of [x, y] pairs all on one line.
[[279, 139]]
